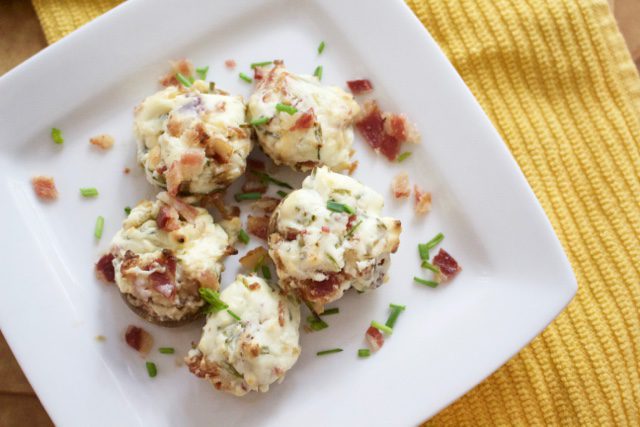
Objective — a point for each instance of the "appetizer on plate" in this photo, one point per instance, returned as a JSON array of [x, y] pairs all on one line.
[[301, 123], [165, 251], [329, 236], [190, 139], [250, 339]]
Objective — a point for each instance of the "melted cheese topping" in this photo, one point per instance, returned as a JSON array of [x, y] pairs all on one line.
[[256, 351], [332, 242], [198, 246], [165, 126], [327, 142]]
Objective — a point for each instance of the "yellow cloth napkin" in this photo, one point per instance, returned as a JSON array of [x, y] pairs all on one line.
[[556, 80]]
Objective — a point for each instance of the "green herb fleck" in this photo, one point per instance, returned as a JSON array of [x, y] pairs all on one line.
[[384, 328], [315, 324], [318, 72], [364, 352], [289, 109], [56, 135], [212, 298], [259, 121], [333, 350], [433, 242], [260, 64], [333, 260], [339, 207], [267, 178], [403, 156], [127, 210], [152, 370], [183, 80], [330, 311], [266, 273], [202, 72], [247, 196], [282, 194], [321, 47], [167, 350], [243, 236], [246, 78], [97, 231], [353, 229], [89, 192], [429, 283], [235, 316]]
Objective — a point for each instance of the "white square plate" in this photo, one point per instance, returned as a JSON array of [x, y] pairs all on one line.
[[516, 278]]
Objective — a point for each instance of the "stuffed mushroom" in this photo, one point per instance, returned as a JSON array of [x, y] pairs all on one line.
[[330, 236], [301, 123], [191, 140], [251, 341], [165, 251]]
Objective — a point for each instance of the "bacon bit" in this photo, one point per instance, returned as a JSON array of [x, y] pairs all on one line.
[[447, 265], [258, 73], [168, 219], [422, 200], [258, 226], [353, 167], [400, 186], [219, 149], [182, 66], [217, 201], [254, 257], [44, 187], [375, 339], [230, 63], [266, 204], [350, 221], [104, 268], [191, 163], [305, 121], [325, 229], [187, 211], [174, 126], [281, 313], [320, 289], [385, 132], [126, 171], [360, 86], [103, 141], [253, 186], [209, 279], [138, 339]]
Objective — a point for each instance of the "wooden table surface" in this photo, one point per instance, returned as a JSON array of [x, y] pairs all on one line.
[[21, 37]]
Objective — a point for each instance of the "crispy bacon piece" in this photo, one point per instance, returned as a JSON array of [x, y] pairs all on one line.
[[258, 226], [325, 229], [375, 339], [385, 132], [258, 73], [266, 204], [400, 186], [168, 219], [361, 86], [164, 281], [103, 141], [182, 66], [319, 289], [217, 201], [253, 185], [448, 266], [44, 187], [138, 339], [104, 268], [254, 257], [422, 200], [305, 121], [188, 167], [230, 63], [185, 210]]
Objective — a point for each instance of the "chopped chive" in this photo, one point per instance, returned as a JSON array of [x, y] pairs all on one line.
[[339, 207], [266, 273], [318, 72], [212, 298], [127, 210], [353, 229], [289, 109], [433, 242], [212, 86], [267, 178], [235, 316], [333, 350], [191, 80], [152, 370], [246, 78], [282, 194], [423, 250], [247, 196], [243, 236], [429, 283], [403, 156], [321, 47], [364, 352], [381, 327], [56, 135], [393, 316], [316, 325], [97, 231], [89, 192], [167, 350], [183, 80], [202, 72], [429, 266], [259, 121], [329, 311], [260, 64]]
